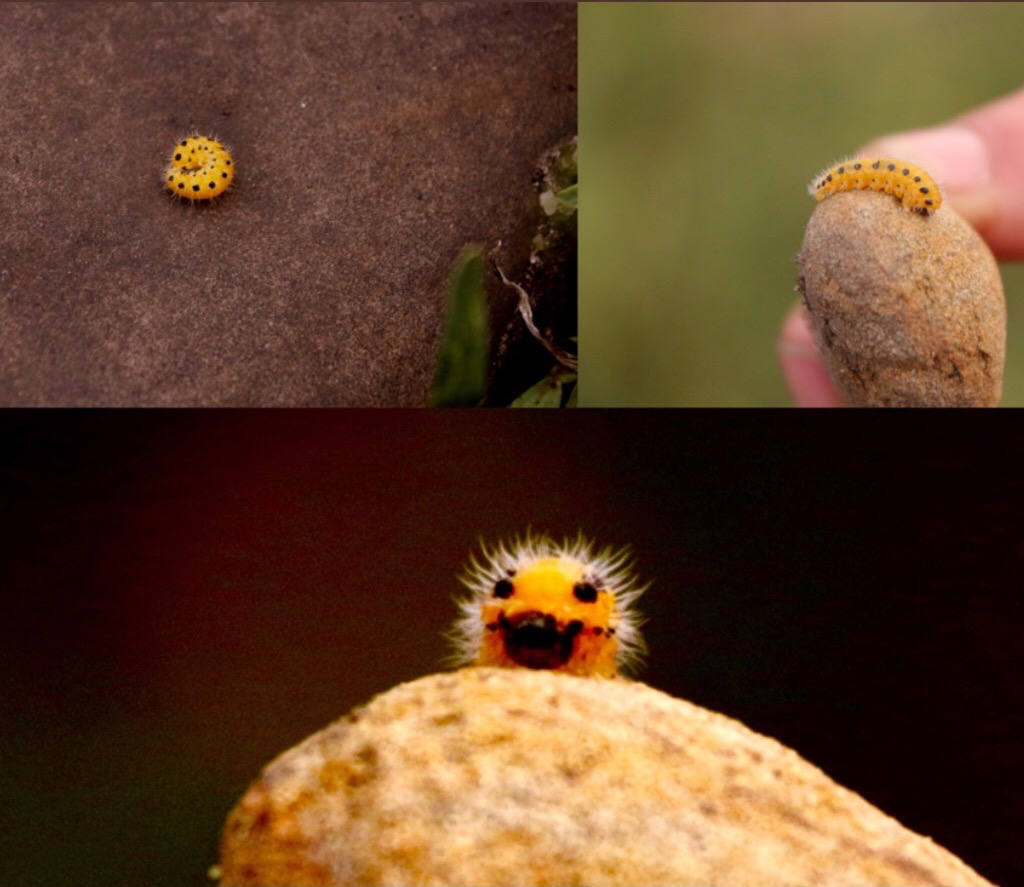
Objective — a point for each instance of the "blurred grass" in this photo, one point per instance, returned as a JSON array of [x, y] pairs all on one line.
[[701, 125]]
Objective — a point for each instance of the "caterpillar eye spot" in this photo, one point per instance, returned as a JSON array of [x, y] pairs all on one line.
[[585, 592], [503, 588]]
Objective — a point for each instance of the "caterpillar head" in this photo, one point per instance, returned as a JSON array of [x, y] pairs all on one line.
[[535, 603]]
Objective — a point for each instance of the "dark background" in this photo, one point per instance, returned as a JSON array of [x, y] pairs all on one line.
[[187, 594]]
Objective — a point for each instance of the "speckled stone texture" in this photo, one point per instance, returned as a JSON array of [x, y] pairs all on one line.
[[907, 310], [490, 776], [372, 142]]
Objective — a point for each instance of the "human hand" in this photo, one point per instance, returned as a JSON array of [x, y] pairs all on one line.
[[978, 160]]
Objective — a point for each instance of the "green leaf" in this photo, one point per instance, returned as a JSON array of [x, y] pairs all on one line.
[[567, 198], [461, 376], [551, 391]]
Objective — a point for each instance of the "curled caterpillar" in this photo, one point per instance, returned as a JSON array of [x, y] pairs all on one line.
[[909, 184], [538, 604], [201, 168]]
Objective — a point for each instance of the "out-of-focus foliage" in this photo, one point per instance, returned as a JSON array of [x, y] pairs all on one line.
[[462, 364]]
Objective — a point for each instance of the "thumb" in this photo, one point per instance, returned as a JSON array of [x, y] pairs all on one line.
[[808, 380]]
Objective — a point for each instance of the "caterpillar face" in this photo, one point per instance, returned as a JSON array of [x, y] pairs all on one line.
[[538, 604], [201, 168], [909, 184]]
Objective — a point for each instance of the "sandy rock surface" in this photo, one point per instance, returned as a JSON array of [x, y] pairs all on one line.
[[908, 310], [491, 776]]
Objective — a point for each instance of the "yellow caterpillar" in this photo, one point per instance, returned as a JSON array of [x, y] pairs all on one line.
[[909, 184], [539, 604], [200, 169]]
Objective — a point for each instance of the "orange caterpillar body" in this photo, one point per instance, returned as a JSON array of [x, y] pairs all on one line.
[[909, 184], [200, 169], [539, 604]]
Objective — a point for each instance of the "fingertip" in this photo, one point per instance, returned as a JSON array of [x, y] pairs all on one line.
[[802, 367], [953, 154], [957, 158], [978, 161], [796, 331]]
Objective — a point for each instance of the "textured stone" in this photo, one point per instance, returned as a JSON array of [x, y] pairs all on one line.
[[372, 142], [908, 310], [512, 776]]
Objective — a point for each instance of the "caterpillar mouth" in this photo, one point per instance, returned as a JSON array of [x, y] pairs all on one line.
[[535, 640]]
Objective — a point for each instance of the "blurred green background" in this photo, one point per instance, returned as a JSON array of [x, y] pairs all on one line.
[[701, 125]]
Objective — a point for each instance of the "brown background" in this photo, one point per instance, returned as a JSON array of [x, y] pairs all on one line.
[[372, 142], [186, 594]]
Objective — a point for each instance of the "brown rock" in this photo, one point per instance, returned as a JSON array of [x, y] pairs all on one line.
[[908, 310], [371, 141], [491, 776]]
